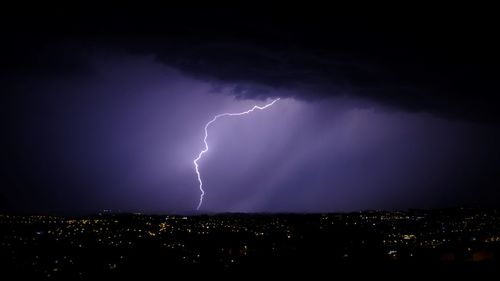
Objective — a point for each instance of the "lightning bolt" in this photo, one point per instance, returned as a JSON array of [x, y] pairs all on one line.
[[205, 150]]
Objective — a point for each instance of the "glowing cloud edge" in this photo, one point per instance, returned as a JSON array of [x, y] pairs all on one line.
[[195, 161]]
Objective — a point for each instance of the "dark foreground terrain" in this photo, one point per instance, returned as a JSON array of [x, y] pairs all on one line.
[[134, 245]]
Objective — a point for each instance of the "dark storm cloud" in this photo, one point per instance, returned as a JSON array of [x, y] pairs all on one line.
[[104, 108], [442, 62], [394, 70]]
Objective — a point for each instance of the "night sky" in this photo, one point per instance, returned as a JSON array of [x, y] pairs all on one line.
[[104, 108]]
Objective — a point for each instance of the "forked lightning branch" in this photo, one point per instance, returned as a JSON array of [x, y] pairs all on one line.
[[205, 150]]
